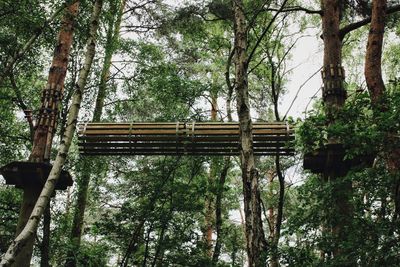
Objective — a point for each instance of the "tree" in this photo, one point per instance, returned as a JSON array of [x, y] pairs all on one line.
[[15, 252], [114, 24], [45, 126], [256, 242]]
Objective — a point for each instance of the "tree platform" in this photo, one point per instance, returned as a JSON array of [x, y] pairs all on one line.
[[24, 174]]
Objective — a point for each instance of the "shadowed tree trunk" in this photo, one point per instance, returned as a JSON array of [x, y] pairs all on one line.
[[334, 96], [45, 245], [376, 86], [21, 242], [255, 239]]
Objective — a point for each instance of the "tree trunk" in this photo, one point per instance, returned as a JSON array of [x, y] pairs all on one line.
[[46, 124], [223, 174], [255, 239], [29, 199], [83, 183], [19, 245], [53, 92], [376, 86], [334, 96], [279, 215], [210, 195], [45, 245], [334, 93], [218, 211], [373, 59]]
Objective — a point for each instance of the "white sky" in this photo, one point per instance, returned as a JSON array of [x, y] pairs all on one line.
[[307, 55]]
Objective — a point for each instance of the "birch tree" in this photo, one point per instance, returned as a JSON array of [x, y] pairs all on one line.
[[21, 241]]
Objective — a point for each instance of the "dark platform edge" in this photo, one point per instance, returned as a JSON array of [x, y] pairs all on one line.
[[25, 174]]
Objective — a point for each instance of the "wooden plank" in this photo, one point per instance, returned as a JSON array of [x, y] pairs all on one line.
[[174, 132], [181, 126], [184, 154], [178, 149], [188, 125], [188, 122], [207, 138], [100, 138], [174, 144]]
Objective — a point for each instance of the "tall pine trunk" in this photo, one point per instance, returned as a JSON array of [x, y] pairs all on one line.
[[46, 124], [376, 87], [255, 239], [334, 96], [52, 94], [21, 242], [373, 58]]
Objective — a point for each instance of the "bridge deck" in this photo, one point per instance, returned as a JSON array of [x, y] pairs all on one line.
[[170, 138]]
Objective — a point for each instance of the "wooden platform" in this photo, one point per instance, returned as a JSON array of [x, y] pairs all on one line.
[[190, 138], [331, 159], [24, 174]]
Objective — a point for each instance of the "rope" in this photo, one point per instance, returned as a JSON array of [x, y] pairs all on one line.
[[287, 128], [177, 136], [83, 134], [193, 127], [130, 138], [185, 130]]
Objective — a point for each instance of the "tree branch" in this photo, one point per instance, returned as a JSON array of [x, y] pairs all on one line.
[[298, 8], [21, 104], [354, 26], [265, 31]]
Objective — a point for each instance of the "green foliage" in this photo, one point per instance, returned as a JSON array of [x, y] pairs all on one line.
[[92, 254], [10, 200], [360, 127]]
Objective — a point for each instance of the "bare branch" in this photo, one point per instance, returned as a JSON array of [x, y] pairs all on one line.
[[298, 91], [265, 31]]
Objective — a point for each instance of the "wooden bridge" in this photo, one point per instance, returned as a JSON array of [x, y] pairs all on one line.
[[182, 138]]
